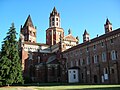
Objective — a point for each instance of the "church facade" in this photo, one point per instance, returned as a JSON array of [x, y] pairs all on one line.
[[63, 59]]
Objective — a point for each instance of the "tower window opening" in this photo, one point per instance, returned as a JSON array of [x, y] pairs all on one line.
[[34, 33], [56, 19], [52, 23], [52, 19], [57, 23], [30, 32]]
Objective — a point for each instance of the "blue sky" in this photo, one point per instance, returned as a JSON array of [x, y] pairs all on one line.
[[77, 15]]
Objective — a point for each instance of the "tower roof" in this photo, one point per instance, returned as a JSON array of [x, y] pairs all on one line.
[[69, 31], [54, 9], [108, 22], [54, 12], [85, 32], [28, 22]]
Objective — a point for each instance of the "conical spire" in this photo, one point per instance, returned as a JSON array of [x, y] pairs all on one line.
[[54, 12], [108, 22], [28, 22], [54, 9], [69, 31], [85, 32]]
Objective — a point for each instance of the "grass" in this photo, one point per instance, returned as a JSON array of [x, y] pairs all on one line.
[[8, 88], [81, 87], [65, 87]]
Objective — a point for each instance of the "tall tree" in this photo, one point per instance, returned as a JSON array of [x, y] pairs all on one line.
[[10, 63]]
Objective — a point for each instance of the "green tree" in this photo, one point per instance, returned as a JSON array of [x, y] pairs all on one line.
[[10, 63]]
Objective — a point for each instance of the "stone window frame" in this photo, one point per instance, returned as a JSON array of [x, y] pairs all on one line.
[[104, 57], [95, 58], [111, 41], [88, 60], [102, 44], [113, 55], [94, 47]]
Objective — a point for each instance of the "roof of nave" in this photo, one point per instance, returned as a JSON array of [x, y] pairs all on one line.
[[69, 37], [104, 36], [51, 59]]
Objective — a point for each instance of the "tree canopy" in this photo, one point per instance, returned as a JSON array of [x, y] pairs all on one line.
[[10, 63]]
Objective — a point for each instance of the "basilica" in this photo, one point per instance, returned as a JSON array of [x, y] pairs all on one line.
[[63, 59]]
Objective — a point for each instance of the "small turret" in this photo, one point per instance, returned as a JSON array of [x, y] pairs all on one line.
[[77, 39], [108, 26], [85, 36], [69, 31]]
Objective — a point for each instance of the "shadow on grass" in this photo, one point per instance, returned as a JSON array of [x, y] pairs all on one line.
[[58, 84], [44, 84]]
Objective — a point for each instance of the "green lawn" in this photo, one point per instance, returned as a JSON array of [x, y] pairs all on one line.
[[65, 87], [8, 88], [81, 87]]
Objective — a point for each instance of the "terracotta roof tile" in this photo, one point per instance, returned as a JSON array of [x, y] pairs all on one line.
[[94, 40], [70, 38]]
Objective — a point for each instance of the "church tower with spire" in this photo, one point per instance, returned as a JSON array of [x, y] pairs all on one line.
[[54, 31], [54, 18], [85, 36], [28, 31], [108, 26]]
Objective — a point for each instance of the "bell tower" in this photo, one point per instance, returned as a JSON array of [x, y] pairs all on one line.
[[108, 26], [28, 31], [54, 18], [54, 31], [85, 36]]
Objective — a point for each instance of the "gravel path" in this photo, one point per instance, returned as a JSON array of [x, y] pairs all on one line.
[[24, 88]]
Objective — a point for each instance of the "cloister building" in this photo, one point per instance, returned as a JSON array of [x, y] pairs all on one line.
[[63, 59]]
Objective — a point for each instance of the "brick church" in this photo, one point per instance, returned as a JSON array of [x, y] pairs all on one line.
[[63, 59]]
